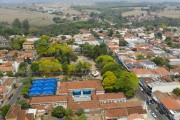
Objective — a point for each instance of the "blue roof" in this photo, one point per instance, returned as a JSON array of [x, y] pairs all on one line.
[[43, 86]]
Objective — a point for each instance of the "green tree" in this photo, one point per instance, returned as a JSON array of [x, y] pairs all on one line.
[[159, 35], [111, 66], [1, 74], [129, 93], [58, 112], [102, 60], [68, 118], [110, 33], [69, 112], [4, 110], [17, 43], [9, 74], [109, 79], [123, 43], [176, 91], [23, 104], [25, 25], [63, 37], [160, 61], [168, 41], [35, 68], [82, 117], [128, 82], [48, 67], [80, 111], [16, 23], [140, 57]]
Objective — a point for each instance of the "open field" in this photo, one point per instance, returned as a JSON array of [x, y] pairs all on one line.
[[169, 13], [35, 18], [133, 12]]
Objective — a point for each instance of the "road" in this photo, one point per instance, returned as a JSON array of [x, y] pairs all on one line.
[[13, 100], [152, 107]]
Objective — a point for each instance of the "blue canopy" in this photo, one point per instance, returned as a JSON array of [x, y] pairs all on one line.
[[36, 88], [50, 84], [38, 85], [49, 88], [76, 92], [48, 92], [86, 91]]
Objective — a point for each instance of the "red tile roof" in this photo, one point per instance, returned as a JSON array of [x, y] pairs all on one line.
[[28, 43], [11, 53], [88, 84], [170, 103], [3, 89], [136, 117], [116, 113], [6, 69], [111, 96], [121, 104], [15, 112], [142, 71], [161, 70], [48, 99]]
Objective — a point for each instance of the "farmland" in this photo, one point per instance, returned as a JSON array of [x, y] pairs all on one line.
[[35, 18]]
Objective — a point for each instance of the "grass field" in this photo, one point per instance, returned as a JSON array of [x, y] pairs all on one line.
[[169, 13], [133, 12], [35, 18]]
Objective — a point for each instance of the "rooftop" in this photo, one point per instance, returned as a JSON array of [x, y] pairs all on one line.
[[111, 96], [47, 99], [77, 85], [170, 103]]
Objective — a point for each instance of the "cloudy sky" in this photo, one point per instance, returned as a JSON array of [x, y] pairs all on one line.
[[29, 1]]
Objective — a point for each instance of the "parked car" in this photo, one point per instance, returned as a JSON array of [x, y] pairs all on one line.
[[153, 114], [10, 97]]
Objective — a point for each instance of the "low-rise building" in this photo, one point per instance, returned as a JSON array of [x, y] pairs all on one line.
[[28, 45], [16, 113]]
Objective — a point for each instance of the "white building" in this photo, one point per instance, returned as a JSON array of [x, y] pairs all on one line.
[[163, 86]]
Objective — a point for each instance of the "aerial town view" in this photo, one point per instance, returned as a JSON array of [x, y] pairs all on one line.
[[89, 60]]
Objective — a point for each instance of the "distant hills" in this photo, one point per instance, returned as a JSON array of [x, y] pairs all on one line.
[[41, 1]]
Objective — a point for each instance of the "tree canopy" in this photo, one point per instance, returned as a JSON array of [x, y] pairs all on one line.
[[58, 112]]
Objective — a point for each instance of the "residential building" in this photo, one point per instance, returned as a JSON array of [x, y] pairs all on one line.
[[16, 113], [28, 45], [49, 100]]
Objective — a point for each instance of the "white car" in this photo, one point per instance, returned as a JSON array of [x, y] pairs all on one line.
[[153, 114]]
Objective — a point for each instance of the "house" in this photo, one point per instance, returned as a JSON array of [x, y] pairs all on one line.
[[175, 71], [92, 85], [4, 70], [136, 117], [163, 86], [148, 64], [161, 71], [6, 85], [174, 62], [48, 101], [141, 72], [111, 97], [170, 107], [123, 113], [16, 113], [28, 45]]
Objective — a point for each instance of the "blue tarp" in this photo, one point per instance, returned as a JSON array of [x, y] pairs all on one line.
[[48, 93], [76, 92], [43, 86], [36, 88], [86, 91], [49, 88]]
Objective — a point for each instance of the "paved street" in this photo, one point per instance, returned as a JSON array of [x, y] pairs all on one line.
[[151, 107], [13, 100]]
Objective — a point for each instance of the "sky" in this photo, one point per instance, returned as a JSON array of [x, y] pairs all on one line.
[[30, 1]]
